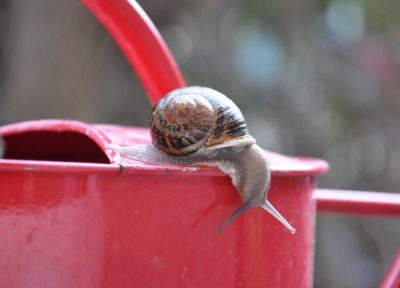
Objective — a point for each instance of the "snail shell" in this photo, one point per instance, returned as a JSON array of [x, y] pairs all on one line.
[[197, 120], [200, 126]]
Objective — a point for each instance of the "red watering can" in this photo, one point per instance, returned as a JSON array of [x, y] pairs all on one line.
[[75, 214]]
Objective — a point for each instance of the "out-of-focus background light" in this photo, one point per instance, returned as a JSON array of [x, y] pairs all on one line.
[[259, 57], [345, 21], [313, 78]]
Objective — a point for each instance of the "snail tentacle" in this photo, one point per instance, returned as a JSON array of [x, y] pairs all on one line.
[[246, 206], [271, 209]]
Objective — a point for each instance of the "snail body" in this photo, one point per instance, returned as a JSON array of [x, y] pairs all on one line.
[[200, 126]]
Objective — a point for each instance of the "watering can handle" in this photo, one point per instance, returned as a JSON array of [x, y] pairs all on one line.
[[141, 44]]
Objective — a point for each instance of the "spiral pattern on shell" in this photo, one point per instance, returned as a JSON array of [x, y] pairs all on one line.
[[193, 119]]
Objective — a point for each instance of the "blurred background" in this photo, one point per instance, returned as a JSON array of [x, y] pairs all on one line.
[[313, 78]]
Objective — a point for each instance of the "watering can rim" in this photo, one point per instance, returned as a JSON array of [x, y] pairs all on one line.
[[105, 134]]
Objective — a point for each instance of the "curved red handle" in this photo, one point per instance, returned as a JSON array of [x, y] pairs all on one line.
[[141, 43]]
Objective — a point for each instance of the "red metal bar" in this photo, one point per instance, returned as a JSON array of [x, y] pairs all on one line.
[[357, 202], [141, 43], [392, 278]]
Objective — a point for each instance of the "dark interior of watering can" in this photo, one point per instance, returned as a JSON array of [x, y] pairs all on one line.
[[53, 146]]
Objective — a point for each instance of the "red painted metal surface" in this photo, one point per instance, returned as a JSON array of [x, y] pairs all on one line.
[[141, 43], [73, 214], [392, 278], [92, 224], [358, 202]]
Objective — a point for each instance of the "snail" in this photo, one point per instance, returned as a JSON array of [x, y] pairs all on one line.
[[201, 126]]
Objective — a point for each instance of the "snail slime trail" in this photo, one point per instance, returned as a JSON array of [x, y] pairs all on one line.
[[201, 126]]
